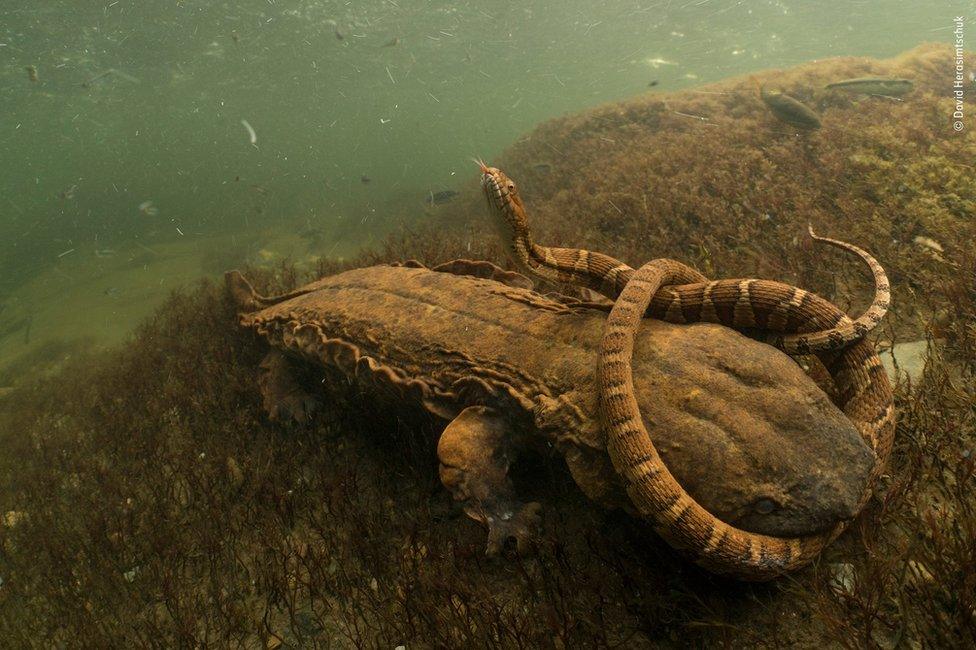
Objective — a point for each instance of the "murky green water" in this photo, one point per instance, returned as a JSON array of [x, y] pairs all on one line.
[[152, 142]]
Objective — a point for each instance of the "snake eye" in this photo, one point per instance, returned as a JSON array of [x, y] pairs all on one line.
[[511, 187], [765, 506]]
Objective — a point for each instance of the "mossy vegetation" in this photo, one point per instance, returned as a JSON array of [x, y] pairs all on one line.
[[149, 502]]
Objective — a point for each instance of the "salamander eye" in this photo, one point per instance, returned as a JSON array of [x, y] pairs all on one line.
[[511, 187], [765, 506]]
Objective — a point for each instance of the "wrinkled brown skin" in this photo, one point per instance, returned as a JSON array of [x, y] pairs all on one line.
[[744, 430]]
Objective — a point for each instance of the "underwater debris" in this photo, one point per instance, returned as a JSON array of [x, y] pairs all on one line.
[[929, 243], [67, 252], [653, 83], [32, 73], [393, 42], [843, 577], [68, 193], [148, 209], [789, 109], [110, 71], [146, 248], [700, 118], [104, 252], [13, 518], [250, 131], [933, 247], [657, 62], [874, 86], [365, 180], [442, 197], [541, 167]]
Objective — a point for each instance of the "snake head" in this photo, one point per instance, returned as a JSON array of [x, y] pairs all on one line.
[[499, 189], [505, 207]]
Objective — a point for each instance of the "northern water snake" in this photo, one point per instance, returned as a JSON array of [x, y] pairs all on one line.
[[672, 291]]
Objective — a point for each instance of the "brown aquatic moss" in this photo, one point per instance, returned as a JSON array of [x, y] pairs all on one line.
[[147, 500]]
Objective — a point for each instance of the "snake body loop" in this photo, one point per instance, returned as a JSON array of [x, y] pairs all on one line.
[[796, 321]]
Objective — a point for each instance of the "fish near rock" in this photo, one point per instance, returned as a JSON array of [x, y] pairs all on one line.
[[790, 109], [442, 197], [874, 86]]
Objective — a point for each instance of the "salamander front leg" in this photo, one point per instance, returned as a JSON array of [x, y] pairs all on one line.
[[475, 452]]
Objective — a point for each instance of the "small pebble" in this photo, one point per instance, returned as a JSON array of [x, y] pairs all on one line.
[[842, 577]]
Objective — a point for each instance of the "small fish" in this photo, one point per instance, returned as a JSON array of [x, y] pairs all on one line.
[[789, 109], [112, 292], [653, 83], [335, 26], [104, 252], [234, 36], [542, 167], [393, 42], [442, 197], [365, 180], [874, 86], [68, 193], [31, 73], [147, 208]]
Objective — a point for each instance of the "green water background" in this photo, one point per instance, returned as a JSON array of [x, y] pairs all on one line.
[[462, 79]]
